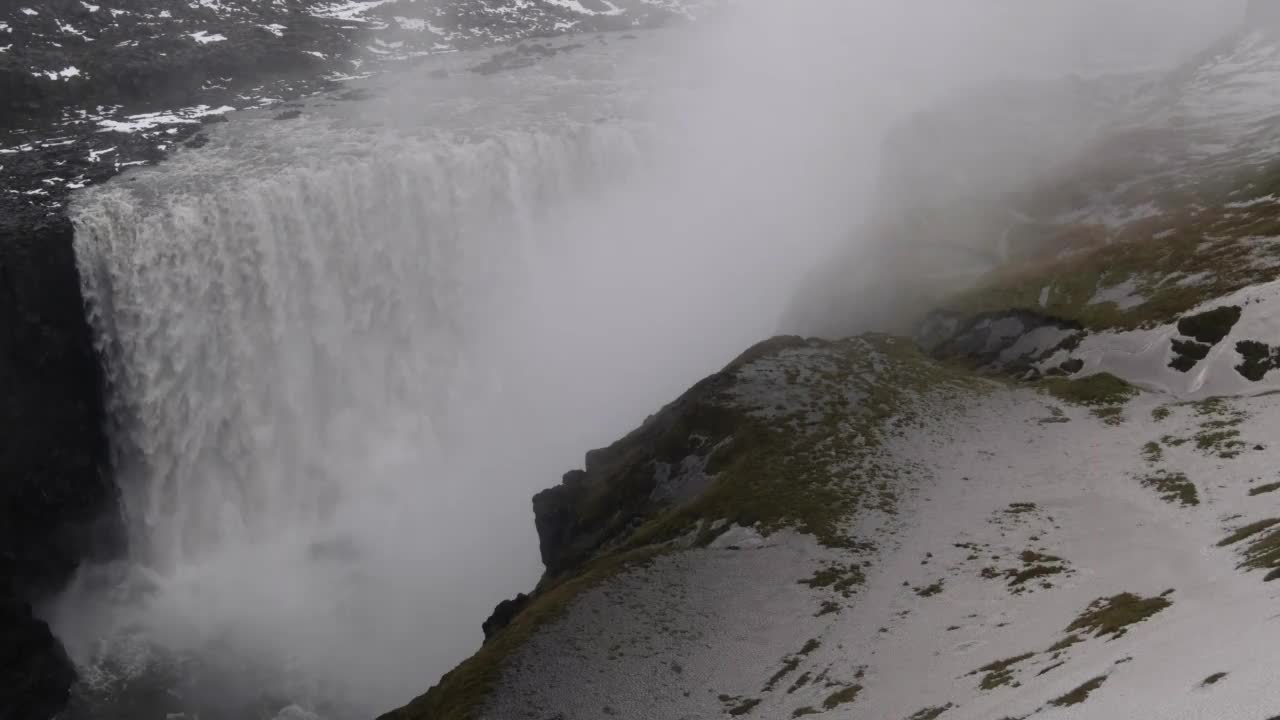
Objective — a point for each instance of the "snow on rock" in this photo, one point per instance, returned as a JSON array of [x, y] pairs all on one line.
[[204, 38], [134, 123]]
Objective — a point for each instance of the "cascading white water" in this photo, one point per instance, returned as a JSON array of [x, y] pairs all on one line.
[[262, 334], [310, 362]]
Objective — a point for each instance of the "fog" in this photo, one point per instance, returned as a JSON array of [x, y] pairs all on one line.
[[757, 161]]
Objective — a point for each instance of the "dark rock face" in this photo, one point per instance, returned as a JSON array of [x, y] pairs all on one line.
[[503, 614], [57, 502], [985, 339], [614, 493], [1206, 330], [35, 673]]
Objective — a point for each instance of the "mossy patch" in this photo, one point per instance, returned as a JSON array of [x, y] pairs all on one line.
[[1263, 549], [1080, 694], [1064, 643], [818, 461], [1248, 531], [1218, 433], [1213, 243], [930, 590], [1000, 672], [1033, 572], [1263, 489], [842, 578], [743, 707], [1173, 487], [1152, 452], [1114, 615], [1092, 391], [930, 713], [842, 696]]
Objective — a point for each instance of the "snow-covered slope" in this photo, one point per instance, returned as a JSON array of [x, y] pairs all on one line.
[[967, 548]]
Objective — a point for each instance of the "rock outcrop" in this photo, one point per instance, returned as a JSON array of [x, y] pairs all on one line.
[[57, 501]]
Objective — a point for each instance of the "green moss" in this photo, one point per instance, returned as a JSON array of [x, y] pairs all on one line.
[[1080, 694], [1263, 551], [800, 682], [841, 697], [1019, 577], [1114, 615], [1000, 672], [1160, 414], [1173, 487], [1064, 643], [828, 607], [1030, 557], [931, 713], [816, 465], [802, 711], [1101, 259], [789, 666], [1224, 443], [1261, 489], [1248, 531], [930, 590], [840, 578], [1152, 452], [1102, 389]]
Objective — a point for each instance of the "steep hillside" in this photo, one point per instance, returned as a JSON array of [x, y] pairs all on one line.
[[1059, 501]]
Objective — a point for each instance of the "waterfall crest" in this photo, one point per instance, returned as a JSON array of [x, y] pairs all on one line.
[[304, 361]]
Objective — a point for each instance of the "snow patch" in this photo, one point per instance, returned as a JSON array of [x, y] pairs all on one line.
[[204, 37], [145, 121], [1125, 295], [63, 74]]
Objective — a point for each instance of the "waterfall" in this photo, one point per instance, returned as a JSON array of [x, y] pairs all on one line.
[[310, 361]]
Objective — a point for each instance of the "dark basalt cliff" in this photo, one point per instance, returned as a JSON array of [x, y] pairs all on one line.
[[57, 501]]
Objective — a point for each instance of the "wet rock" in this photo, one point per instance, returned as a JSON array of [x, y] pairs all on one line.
[[35, 672]]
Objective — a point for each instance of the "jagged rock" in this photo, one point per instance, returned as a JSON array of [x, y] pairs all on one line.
[[35, 672], [1007, 341], [592, 506], [503, 614], [57, 501]]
